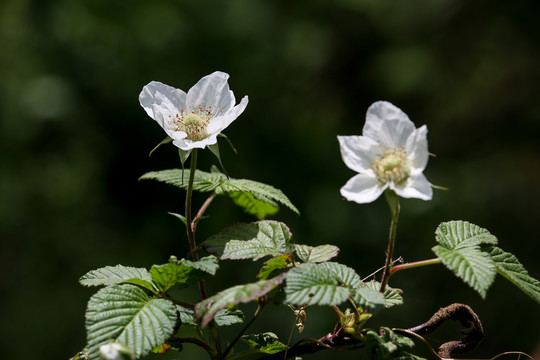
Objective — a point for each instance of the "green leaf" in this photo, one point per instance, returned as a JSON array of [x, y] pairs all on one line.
[[223, 317], [228, 317], [388, 346], [260, 191], [314, 284], [111, 275], [251, 241], [510, 268], [182, 273], [267, 343], [273, 265], [203, 181], [369, 299], [124, 313], [208, 264], [206, 309], [392, 296], [472, 265], [186, 316], [343, 274], [316, 254], [462, 234], [252, 205]]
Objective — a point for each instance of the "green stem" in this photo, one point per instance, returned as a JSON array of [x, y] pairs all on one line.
[[393, 201], [190, 233], [415, 264], [244, 329]]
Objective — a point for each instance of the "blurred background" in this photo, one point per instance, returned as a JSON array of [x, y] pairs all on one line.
[[74, 140]]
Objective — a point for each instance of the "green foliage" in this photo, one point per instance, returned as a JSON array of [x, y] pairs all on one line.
[[459, 234], [254, 197], [510, 267], [111, 275], [206, 309], [251, 241], [387, 345], [267, 343], [271, 266], [316, 254], [460, 251], [392, 296], [254, 206], [124, 313], [223, 317], [182, 273], [470, 264], [329, 284]]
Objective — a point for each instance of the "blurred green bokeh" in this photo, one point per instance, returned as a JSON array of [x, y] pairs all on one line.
[[74, 140]]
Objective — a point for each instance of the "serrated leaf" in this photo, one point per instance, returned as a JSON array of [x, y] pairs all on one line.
[[203, 181], [186, 316], [273, 265], [228, 317], [392, 296], [316, 254], [343, 274], [182, 273], [111, 275], [472, 265], [369, 299], [462, 234], [262, 192], [254, 206], [509, 267], [124, 313], [206, 309], [314, 284], [388, 346], [251, 241], [267, 343], [223, 317]]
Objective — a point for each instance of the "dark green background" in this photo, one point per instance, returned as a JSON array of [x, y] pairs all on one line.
[[74, 141]]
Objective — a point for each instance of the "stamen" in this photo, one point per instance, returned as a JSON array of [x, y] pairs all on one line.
[[392, 166], [194, 121]]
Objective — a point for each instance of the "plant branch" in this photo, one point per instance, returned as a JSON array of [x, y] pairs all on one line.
[[414, 264], [244, 329], [201, 211], [393, 200]]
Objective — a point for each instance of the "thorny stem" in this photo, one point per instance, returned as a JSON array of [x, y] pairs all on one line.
[[394, 205], [414, 264], [244, 329]]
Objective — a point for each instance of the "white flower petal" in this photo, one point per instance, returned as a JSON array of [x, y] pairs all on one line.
[[186, 144], [387, 124], [362, 188], [219, 123], [212, 91], [416, 186], [358, 152], [162, 95], [417, 148]]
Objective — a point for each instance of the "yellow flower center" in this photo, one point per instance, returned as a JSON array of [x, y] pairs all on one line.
[[193, 122], [392, 166]]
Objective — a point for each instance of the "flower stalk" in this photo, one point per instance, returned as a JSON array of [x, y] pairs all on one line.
[[393, 201]]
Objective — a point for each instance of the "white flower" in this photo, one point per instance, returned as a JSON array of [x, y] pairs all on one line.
[[115, 351], [193, 120], [391, 153]]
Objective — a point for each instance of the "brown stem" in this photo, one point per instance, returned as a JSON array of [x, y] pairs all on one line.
[[467, 317]]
